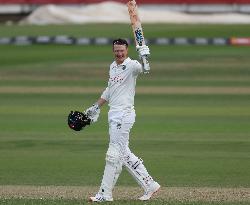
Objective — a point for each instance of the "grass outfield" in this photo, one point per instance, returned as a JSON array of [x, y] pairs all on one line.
[[186, 138], [124, 30]]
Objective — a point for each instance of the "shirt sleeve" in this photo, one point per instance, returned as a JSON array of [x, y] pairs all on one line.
[[137, 68], [105, 94]]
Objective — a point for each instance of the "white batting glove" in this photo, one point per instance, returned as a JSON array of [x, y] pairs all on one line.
[[143, 50], [93, 112]]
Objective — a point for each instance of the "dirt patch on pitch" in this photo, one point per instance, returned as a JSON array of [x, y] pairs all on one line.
[[127, 193]]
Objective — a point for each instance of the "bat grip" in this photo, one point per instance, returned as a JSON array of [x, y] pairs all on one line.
[[145, 65]]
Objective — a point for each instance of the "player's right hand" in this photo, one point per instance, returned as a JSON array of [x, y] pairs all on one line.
[[93, 112], [143, 50]]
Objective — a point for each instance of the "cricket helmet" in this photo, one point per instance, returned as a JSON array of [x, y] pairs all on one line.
[[78, 120]]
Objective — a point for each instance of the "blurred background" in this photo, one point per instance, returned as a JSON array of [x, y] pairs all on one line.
[[89, 11], [193, 109], [17, 9]]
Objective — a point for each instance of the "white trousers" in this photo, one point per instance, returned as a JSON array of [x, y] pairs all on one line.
[[119, 154]]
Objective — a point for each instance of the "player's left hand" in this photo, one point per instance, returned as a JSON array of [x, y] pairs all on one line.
[[143, 50], [93, 112]]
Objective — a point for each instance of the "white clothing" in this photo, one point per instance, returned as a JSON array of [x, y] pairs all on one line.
[[120, 95], [119, 155], [120, 124], [121, 85]]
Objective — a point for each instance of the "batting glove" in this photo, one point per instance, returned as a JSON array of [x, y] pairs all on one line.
[[93, 112], [143, 50]]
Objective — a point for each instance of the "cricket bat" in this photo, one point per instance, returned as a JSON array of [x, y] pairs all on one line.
[[138, 32]]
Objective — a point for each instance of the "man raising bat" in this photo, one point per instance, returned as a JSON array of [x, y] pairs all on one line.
[[120, 94]]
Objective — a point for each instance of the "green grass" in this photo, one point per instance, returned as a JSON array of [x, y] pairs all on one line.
[[124, 30], [191, 143], [185, 139]]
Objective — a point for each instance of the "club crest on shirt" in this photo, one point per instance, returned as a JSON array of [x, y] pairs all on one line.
[[115, 79], [123, 67]]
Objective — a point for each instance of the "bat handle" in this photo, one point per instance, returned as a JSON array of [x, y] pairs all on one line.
[[145, 64]]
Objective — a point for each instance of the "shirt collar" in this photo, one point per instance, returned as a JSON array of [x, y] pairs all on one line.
[[125, 62]]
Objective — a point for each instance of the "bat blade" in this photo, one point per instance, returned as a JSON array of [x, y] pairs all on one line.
[[136, 23], [137, 31]]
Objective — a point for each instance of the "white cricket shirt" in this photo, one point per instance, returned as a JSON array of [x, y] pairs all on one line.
[[121, 85]]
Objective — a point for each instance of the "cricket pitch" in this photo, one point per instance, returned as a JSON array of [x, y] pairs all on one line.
[[192, 194]]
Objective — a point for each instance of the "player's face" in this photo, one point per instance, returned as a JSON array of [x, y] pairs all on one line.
[[120, 52]]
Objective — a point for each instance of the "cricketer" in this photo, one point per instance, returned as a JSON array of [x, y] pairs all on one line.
[[120, 94]]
